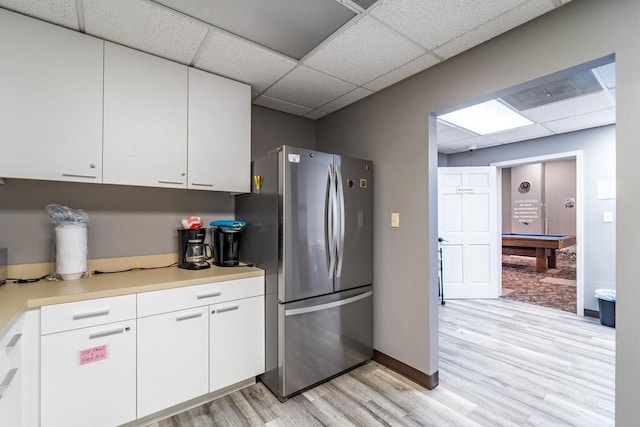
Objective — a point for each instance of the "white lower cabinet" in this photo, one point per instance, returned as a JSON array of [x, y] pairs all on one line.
[[236, 339], [11, 370], [173, 359], [88, 376]]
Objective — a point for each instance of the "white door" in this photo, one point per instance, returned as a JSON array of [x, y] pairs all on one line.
[[468, 223]]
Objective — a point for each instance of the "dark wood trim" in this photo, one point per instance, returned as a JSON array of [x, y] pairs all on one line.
[[428, 381], [591, 313]]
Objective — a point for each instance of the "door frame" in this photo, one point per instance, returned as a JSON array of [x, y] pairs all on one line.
[[578, 156]]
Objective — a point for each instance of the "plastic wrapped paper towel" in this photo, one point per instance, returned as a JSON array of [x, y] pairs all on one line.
[[70, 236], [71, 250]]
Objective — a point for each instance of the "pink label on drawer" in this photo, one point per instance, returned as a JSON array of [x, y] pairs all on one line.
[[94, 354]]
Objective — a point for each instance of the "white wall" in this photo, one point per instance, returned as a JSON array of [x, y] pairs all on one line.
[[393, 128]]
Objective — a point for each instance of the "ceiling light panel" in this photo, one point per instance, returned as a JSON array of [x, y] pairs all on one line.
[[407, 70], [311, 88], [447, 19], [520, 134], [279, 105], [291, 27], [487, 117], [241, 60], [363, 52], [345, 100], [145, 26], [585, 121], [501, 24], [60, 12], [570, 107]]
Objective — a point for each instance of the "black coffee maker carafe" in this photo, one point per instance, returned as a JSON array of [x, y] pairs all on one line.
[[194, 253]]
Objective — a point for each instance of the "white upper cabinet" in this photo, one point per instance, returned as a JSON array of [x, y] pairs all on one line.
[[50, 101], [219, 133], [145, 119]]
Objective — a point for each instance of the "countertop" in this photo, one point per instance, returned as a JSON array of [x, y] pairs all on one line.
[[16, 298]]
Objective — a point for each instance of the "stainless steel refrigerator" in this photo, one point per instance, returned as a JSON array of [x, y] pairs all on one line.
[[309, 226]]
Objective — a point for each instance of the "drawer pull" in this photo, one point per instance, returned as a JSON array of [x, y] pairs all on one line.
[[88, 314], [188, 316], [223, 309], [107, 333], [6, 382], [76, 175], [160, 181], [200, 184], [13, 341], [209, 295]]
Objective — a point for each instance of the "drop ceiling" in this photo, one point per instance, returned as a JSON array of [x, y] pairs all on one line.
[[582, 100], [304, 57]]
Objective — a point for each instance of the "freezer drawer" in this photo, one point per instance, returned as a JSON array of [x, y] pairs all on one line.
[[323, 337]]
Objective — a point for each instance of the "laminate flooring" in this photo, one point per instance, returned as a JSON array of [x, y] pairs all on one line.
[[502, 363]]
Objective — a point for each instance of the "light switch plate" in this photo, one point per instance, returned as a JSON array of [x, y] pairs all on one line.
[[607, 217], [395, 219]]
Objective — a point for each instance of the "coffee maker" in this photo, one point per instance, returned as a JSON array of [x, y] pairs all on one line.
[[194, 253]]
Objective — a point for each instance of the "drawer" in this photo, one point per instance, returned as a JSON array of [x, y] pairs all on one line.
[[81, 314], [156, 302]]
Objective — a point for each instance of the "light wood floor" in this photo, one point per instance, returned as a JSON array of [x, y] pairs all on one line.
[[502, 363]]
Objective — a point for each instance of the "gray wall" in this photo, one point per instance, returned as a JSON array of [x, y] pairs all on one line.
[[560, 184], [271, 128], [393, 128], [526, 209], [598, 146], [124, 220]]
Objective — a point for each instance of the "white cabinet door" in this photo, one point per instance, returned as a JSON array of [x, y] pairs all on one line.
[[145, 119], [173, 356], [88, 376], [50, 102], [237, 341], [219, 133]]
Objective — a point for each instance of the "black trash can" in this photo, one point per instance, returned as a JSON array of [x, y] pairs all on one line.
[[607, 306]]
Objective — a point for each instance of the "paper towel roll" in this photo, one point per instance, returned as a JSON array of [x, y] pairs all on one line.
[[71, 250]]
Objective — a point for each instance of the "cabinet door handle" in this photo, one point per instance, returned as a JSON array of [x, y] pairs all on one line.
[[6, 382], [170, 182], [223, 309], [188, 316], [107, 333], [201, 184], [13, 341], [209, 295], [86, 315], [76, 175]]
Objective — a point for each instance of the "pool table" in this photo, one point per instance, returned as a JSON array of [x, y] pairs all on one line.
[[541, 246]]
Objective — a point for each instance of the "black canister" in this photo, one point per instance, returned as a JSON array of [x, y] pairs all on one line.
[[226, 245]]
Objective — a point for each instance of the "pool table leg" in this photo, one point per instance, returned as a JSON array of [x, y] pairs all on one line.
[[541, 260], [552, 258]]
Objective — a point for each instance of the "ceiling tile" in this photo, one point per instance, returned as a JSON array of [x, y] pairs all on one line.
[[402, 72], [315, 114], [443, 126], [60, 12], [241, 60], [445, 150], [453, 135], [477, 141], [345, 100], [495, 27], [311, 88], [608, 74], [363, 52], [570, 107], [145, 26], [519, 134], [447, 19], [598, 118], [279, 105]]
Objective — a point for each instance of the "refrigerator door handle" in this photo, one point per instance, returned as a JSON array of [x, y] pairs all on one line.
[[330, 215], [304, 310], [341, 221]]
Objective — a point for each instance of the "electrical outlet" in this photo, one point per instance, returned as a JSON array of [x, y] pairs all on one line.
[[607, 217], [395, 219]]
